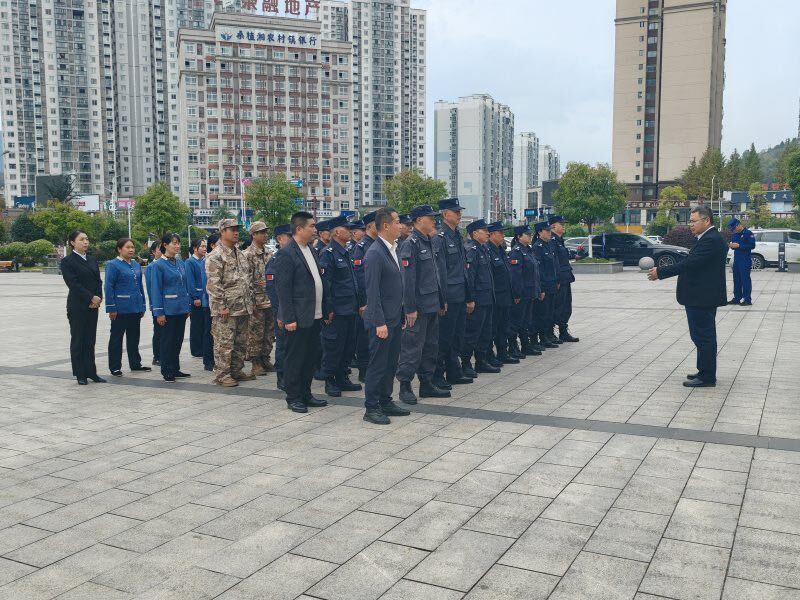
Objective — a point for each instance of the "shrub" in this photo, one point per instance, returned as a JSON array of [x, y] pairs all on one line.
[[575, 231], [25, 230], [103, 251], [680, 236], [3, 233], [38, 249], [12, 251]]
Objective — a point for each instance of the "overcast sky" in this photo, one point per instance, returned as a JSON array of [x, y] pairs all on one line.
[[552, 63]]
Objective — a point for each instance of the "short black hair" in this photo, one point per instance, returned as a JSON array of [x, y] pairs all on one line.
[[154, 246], [703, 212], [122, 241], [196, 243], [73, 235], [384, 216], [167, 239], [212, 239], [300, 219]]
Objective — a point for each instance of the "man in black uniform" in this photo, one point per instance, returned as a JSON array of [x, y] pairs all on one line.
[[406, 225], [424, 300], [357, 229], [452, 261], [480, 290], [339, 335], [282, 236], [324, 233], [359, 252], [563, 304], [548, 273], [502, 294], [383, 318]]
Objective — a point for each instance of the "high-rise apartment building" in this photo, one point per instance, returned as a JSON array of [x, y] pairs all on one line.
[[526, 173], [549, 164], [259, 96], [474, 145], [335, 18], [389, 61], [668, 87]]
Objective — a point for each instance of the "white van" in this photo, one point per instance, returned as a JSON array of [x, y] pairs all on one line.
[[765, 253]]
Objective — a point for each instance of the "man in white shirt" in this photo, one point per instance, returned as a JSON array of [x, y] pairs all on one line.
[[302, 305]]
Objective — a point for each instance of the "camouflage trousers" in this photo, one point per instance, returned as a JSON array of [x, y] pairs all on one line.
[[261, 336], [230, 345]]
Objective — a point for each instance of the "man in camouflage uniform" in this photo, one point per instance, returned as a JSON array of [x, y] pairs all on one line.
[[231, 301], [262, 333]]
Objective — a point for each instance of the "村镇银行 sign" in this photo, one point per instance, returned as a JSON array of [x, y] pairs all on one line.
[[262, 36]]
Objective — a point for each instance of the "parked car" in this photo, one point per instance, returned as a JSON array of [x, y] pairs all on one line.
[[630, 248], [765, 253], [577, 247], [656, 239]]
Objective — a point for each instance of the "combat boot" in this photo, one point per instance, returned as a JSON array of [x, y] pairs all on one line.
[[406, 393], [529, 347], [344, 384], [331, 389], [565, 336], [362, 375], [258, 369], [243, 376], [427, 389], [492, 359], [515, 350], [467, 370], [226, 381], [482, 366]]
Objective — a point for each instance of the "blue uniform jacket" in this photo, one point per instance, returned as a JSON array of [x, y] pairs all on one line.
[[453, 264], [480, 286], [270, 270], [746, 241], [562, 258], [524, 273], [548, 266], [196, 280], [148, 282], [168, 283], [384, 283], [339, 279], [124, 291], [500, 274], [422, 286], [359, 252]]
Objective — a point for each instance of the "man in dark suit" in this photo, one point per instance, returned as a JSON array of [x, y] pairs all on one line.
[[383, 318], [701, 289], [301, 308]]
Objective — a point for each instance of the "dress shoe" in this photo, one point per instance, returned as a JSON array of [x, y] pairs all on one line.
[[693, 376], [362, 375], [459, 380], [531, 350], [440, 383], [97, 379], [82, 381], [169, 378], [392, 410], [143, 369], [697, 383], [244, 376], [313, 402], [297, 406], [376, 416], [565, 336], [507, 359], [545, 342], [746, 303], [281, 385], [156, 362], [481, 366], [467, 370], [406, 393], [733, 301], [182, 375], [515, 350], [427, 389], [331, 389], [490, 359], [344, 384], [116, 373]]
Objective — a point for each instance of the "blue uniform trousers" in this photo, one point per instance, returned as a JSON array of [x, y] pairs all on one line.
[[156, 340], [280, 349], [500, 328], [563, 305], [703, 331], [519, 318], [478, 333], [338, 345], [543, 313], [172, 334], [420, 349], [362, 344], [201, 344], [127, 325], [383, 358], [742, 284], [451, 337]]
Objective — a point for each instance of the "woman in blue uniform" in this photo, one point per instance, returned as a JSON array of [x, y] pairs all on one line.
[[155, 254], [124, 295], [200, 340], [170, 304], [525, 288]]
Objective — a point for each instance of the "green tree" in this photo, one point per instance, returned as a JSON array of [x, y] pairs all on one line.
[[221, 212], [690, 179], [158, 211], [730, 174], [58, 220], [110, 228], [758, 212], [60, 188], [273, 199], [4, 235], [751, 169], [589, 195], [38, 249], [697, 179], [23, 229], [787, 170], [408, 189], [663, 221]]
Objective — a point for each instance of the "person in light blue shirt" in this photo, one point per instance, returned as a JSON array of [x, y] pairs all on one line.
[[155, 254], [201, 343], [124, 295], [170, 304]]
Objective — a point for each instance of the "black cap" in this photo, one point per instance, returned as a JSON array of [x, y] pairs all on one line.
[[369, 217], [542, 225], [479, 224], [555, 219], [406, 220], [426, 210], [450, 204]]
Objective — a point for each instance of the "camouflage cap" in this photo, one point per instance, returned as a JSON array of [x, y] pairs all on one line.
[[257, 226], [226, 223]]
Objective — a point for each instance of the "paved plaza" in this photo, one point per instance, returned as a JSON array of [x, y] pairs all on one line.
[[589, 472]]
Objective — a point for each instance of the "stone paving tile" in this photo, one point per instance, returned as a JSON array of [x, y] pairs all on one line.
[[346, 538], [404, 590], [547, 546], [385, 474], [198, 584], [405, 497], [628, 534], [686, 571], [544, 479], [771, 511], [703, 522], [579, 503], [284, 579], [651, 494], [477, 488], [92, 591], [11, 570], [608, 471], [766, 556], [450, 467], [598, 577], [508, 583], [740, 589], [328, 508], [716, 486], [430, 525], [509, 514]]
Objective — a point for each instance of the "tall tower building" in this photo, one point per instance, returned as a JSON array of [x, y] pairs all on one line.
[[389, 61], [549, 164], [526, 173], [474, 145], [669, 76]]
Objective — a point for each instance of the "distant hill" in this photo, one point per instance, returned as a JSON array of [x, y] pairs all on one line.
[[769, 159]]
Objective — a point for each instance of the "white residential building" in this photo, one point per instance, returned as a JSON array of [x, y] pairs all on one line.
[[526, 173], [549, 164], [474, 145]]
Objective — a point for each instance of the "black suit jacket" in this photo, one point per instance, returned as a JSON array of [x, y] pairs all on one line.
[[701, 276], [295, 288], [383, 280], [83, 280]]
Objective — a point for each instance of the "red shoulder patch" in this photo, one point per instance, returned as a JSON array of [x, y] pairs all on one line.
[[357, 262], [270, 277], [405, 262], [514, 261]]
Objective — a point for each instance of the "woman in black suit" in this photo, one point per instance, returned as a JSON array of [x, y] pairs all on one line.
[[82, 276]]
